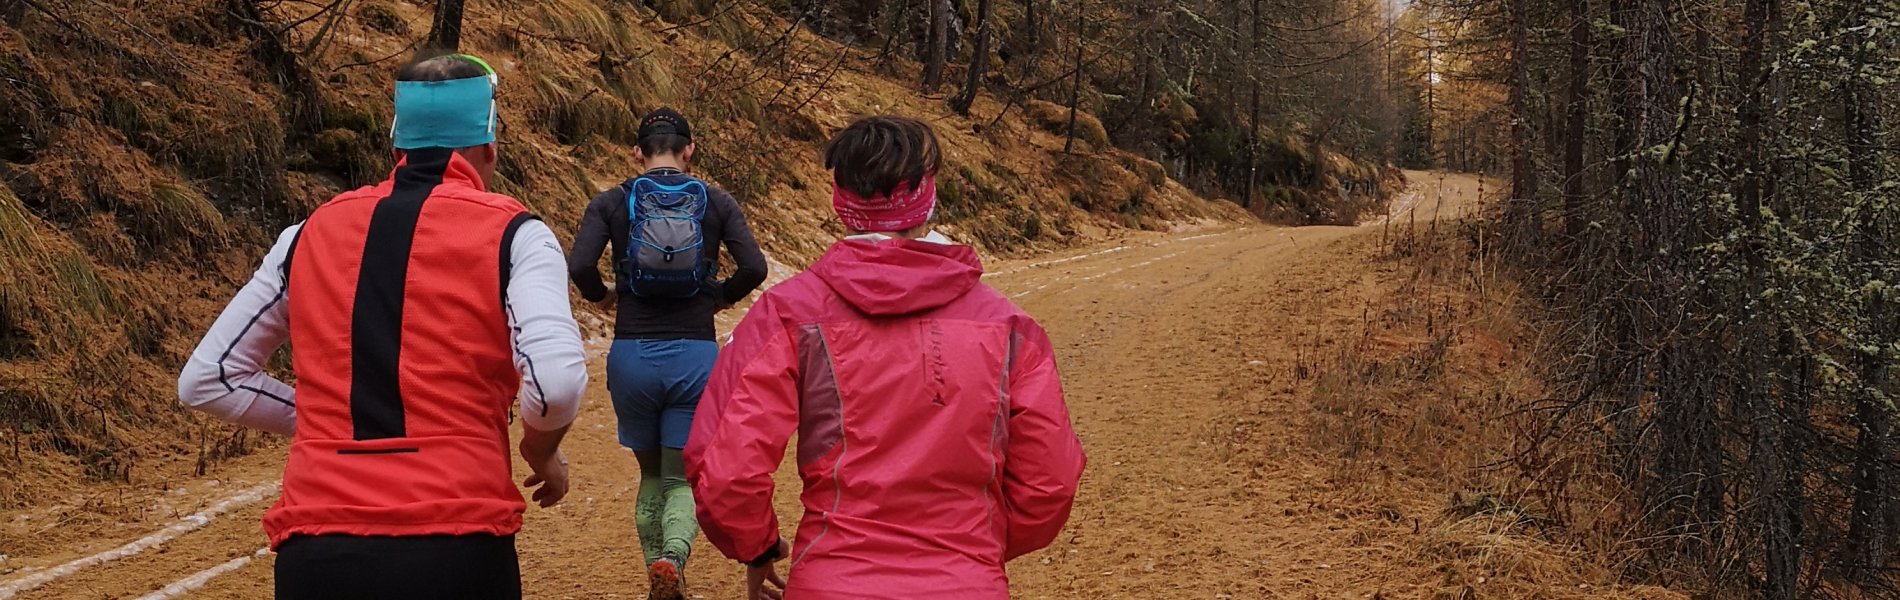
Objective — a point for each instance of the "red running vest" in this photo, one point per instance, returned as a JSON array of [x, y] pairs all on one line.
[[404, 360]]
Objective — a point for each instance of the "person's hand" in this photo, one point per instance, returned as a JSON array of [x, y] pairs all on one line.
[[550, 474], [764, 583], [609, 303]]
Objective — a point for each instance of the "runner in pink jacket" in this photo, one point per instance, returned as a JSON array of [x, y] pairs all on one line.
[[934, 442]]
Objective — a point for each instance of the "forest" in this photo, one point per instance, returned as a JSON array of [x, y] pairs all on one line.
[[1294, 109], [1702, 196]]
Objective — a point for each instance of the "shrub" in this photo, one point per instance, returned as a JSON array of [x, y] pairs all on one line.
[[1054, 118], [382, 17]]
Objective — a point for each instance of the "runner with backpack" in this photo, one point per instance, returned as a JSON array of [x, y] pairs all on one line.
[[665, 227]]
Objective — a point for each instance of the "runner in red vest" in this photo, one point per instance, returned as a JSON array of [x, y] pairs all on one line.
[[417, 310]]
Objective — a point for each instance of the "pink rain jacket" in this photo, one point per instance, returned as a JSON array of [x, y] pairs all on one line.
[[933, 440]]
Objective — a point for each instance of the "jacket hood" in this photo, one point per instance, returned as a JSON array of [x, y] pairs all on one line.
[[893, 277]]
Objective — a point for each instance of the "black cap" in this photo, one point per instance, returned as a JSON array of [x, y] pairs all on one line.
[[665, 121]]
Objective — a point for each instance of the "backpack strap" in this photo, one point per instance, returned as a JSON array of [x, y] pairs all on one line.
[[696, 185], [631, 186]]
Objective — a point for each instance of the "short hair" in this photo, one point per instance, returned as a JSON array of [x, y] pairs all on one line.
[[877, 155], [446, 67], [442, 67], [664, 144]]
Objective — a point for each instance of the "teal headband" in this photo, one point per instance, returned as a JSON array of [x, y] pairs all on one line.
[[458, 113]]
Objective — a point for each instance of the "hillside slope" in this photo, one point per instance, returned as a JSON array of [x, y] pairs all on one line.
[[150, 150]]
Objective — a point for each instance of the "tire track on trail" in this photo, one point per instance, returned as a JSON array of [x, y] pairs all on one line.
[[1166, 344], [236, 534], [53, 576]]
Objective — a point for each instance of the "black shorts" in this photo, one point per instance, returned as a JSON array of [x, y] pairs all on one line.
[[326, 567]]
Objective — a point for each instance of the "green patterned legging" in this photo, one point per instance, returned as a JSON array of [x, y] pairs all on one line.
[[664, 511]]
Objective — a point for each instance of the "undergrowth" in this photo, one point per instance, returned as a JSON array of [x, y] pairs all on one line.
[[1440, 388]]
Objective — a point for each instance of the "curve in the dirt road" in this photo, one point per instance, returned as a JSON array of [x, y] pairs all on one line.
[[198, 580], [1054, 262], [1050, 263], [186, 525]]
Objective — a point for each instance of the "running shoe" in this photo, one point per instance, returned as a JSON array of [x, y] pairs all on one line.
[[666, 579]]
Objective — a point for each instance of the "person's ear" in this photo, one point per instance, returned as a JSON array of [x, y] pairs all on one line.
[[485, 158], [687, 154], [639, 155]]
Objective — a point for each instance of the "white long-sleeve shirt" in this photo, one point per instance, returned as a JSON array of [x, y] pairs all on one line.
[[225, 375]]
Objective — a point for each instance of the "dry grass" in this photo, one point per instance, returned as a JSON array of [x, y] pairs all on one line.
[[1431, 401]]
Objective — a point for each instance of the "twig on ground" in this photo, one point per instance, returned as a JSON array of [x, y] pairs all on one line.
[[312, 17], [723, 9], [411, 46], [319, 43], [822, 85]]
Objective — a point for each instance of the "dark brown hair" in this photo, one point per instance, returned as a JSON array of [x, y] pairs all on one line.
[[446, 67], [877, 155], [664, 144]]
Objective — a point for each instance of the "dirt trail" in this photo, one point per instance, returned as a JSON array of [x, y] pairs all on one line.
[[1182, 357]]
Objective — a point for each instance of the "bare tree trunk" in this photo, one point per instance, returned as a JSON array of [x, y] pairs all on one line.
[[1578, 106], [1075, 89], [1778, 502], [1684, 483], [1032, 26], [1761, 18], [446, 32], [1253, 111], [1872, 527], [1431, 98], [939, 43], [1523, 169], [979, 59]]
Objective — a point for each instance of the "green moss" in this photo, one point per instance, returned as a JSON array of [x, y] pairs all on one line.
[[951, 201], [348, 154], [361, 119]]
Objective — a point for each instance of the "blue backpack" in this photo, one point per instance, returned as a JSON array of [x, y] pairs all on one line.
[[666, 239]]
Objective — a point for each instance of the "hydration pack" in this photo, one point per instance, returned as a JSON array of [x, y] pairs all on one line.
[[664, 253]]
